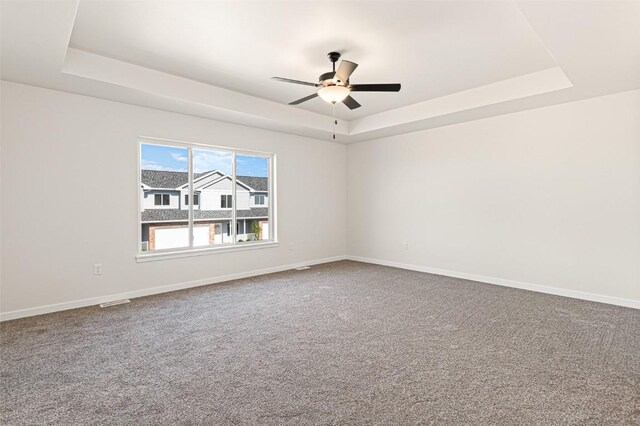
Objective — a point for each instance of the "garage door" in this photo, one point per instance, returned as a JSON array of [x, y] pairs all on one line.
[[167, 238], [201, 235]]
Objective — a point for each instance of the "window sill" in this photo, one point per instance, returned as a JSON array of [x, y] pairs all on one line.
[[151, 257]]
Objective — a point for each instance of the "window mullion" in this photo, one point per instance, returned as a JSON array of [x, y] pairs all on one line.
[[190, 196], [234, 201], [271, 199]]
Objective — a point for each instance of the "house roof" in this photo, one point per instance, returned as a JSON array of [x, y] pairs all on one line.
[[257, 183], [163, 179], [162, 215]]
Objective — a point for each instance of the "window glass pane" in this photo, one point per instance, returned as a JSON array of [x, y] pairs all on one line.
[[164, 222], [252, 198], [226, 201], [212, 185]]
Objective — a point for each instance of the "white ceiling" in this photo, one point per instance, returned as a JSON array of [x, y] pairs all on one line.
[[456, 61]]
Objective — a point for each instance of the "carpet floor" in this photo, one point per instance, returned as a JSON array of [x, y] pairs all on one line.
[[341, 343]]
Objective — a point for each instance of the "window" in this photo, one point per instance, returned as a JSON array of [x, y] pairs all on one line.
[[253, 180], [220, 181], [196, 199], [162, 200], [226, 201]]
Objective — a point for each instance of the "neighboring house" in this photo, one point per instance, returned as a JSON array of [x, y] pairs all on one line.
[[165, 208]]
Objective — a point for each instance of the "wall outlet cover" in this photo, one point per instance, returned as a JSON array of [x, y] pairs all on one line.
[[97, 269]]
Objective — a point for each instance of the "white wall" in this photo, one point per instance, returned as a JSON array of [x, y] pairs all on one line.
[[549, 197], [87, 148]]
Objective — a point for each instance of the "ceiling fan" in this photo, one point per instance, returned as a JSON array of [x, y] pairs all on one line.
[[334, 85]]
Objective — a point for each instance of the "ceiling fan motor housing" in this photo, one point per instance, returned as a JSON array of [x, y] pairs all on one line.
[[327, 78]]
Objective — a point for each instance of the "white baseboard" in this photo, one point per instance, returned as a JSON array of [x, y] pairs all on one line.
[[575, 294], [22, 313], [39, 310]]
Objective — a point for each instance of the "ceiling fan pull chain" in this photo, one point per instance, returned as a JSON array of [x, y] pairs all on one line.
[[335, 122]]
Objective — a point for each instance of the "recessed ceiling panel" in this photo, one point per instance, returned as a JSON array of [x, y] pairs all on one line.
[[433, 48]]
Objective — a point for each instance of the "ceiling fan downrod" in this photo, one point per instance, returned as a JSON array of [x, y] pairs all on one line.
[[334, 57]]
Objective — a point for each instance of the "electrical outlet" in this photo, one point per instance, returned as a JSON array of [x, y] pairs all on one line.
[[290, 246], [405, 246], [97, 269]]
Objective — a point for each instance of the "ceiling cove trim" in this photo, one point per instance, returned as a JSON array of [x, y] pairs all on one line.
[[232, 106], [222, 103], [537, 83]]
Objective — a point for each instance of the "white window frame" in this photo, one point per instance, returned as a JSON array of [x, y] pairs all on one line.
[[145, 256], [186, 200], [226, 201], [255, 201], [162, 194]]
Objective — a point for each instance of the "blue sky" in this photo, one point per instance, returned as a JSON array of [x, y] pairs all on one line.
[[158, 157]]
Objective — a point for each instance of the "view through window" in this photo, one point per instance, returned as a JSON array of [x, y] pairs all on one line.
[[222, 213]]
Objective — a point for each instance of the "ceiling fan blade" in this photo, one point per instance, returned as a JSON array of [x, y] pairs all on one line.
[[395, 87], [301, 100], [351, 103], [345, 70], [288, 80]]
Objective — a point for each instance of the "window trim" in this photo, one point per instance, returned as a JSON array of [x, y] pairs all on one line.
[[255, 201], [145, 256], [162, 194], [226, 201], [196, 197]]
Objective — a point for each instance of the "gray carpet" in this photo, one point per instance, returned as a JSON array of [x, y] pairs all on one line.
[[341, 343]]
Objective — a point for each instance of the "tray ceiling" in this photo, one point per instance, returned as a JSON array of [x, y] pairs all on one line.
[[456, 61]]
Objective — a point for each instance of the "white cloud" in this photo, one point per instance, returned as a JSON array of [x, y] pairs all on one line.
[[152, 165], [204, 161], [179, 157]]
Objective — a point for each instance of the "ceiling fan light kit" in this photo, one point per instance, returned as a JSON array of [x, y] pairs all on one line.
[[333, 94]]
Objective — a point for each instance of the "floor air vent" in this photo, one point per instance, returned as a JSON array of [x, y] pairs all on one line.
[[114, 303]]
